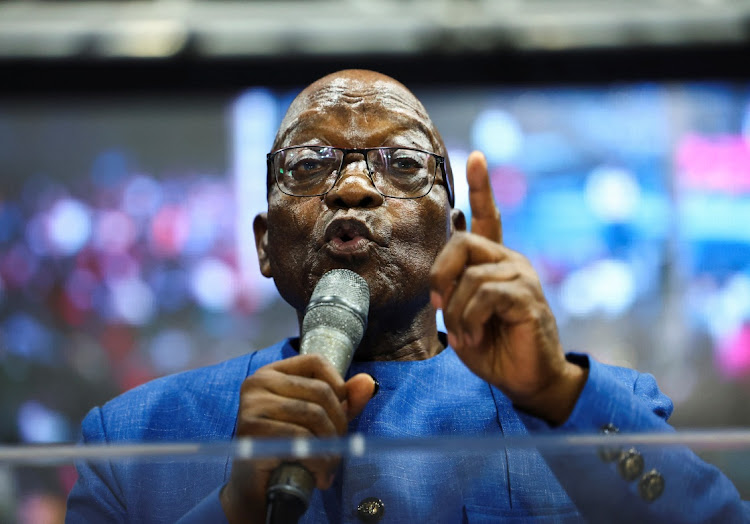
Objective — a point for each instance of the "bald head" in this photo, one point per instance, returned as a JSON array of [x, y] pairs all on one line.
[[357, 98], [353, 90]]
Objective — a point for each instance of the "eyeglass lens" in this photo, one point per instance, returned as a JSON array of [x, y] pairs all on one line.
[[309, 171]]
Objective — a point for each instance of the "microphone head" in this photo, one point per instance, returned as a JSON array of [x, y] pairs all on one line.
[[339, 302], [347, 285]]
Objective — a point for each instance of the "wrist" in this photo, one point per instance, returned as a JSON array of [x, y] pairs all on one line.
[[236, 509], [555, 402]]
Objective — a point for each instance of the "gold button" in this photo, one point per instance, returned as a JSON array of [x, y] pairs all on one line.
[[651, 486], [630, 464], [609, 453], [370, 510]]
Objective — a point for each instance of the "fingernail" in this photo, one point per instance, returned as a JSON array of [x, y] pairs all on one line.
[[377, 386], [435, 300]]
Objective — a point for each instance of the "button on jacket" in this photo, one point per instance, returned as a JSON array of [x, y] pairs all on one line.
[[417, 399]]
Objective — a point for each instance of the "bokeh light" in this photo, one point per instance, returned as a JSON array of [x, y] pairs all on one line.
[[509, 186], [142, 196], [169, 231], [612, 193], [498, 135], [68, 226], [24, 336], [605, 287], [132, 301], [171, 350], [114, 231], [213, 284], [39, 424]]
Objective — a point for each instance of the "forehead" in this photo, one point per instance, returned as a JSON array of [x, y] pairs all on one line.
[[360, 112]]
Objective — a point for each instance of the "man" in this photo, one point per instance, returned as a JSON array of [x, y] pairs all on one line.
[[357, 179]]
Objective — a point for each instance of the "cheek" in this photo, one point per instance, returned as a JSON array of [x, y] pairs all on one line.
[[290, 222], [293, 218], [290, 245], [424, 230]]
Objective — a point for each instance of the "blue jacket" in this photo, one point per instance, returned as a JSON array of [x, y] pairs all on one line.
[[438, 396]]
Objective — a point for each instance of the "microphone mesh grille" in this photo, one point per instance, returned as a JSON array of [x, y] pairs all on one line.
[[345, 286]]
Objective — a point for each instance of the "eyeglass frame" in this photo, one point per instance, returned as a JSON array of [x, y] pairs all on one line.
[[364, 151]]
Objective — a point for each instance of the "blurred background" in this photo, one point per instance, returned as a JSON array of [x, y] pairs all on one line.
[[132, 161]]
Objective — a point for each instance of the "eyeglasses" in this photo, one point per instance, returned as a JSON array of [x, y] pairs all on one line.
[[397, 172]]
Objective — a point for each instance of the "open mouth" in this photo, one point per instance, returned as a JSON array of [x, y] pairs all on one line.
[[347, 236], [349, 242]]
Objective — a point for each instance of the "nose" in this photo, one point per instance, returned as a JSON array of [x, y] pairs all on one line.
[[354, 188]]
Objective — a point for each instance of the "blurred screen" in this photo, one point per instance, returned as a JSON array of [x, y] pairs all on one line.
[[127, 252]]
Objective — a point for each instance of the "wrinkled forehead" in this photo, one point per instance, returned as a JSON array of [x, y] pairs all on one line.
[[359, 103]]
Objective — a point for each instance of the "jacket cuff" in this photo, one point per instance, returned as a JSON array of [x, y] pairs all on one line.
[[606, 400]]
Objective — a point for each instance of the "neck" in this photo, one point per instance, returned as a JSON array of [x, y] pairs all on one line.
[[395, 334]]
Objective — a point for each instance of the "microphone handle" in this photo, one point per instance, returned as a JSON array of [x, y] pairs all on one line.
[[329, 342], [291, 485], [289, 491]]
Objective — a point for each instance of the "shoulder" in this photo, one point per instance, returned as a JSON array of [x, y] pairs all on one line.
[[196, 404]]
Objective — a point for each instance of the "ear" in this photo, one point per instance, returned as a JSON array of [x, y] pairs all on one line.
[[260, 228], [458, 220]]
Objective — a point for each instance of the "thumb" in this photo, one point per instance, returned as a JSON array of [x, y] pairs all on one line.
[[359, 390]]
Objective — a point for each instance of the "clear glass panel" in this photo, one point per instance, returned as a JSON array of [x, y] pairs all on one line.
[[442, 479]]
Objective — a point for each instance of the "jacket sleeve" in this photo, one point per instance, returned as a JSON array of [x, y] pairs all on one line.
[[98, 494], [643, 483]]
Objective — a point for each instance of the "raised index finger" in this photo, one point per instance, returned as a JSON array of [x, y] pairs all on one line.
[[485, 217]]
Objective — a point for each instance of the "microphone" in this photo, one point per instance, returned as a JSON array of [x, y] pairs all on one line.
[[334, 323]]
